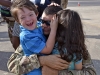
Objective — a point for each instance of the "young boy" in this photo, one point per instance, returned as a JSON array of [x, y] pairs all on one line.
[[31, 37]]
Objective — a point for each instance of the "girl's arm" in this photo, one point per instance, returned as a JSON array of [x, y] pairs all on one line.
[[78, 66]]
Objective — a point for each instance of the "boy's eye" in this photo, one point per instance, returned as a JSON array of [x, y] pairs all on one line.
[[31, 14], [22, 17]]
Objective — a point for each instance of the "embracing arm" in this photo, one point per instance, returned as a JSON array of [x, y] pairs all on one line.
[[52, 61], [88, 69], [14, 66]]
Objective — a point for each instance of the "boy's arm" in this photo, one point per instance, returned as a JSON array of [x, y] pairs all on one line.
[[50, 43], [51, 39]]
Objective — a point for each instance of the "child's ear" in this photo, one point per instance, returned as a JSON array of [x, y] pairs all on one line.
[[37, 14]]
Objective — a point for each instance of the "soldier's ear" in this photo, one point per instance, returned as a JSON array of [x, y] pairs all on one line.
[[37, 14]]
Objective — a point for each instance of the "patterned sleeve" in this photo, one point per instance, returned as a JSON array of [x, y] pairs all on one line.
[[15, 58]]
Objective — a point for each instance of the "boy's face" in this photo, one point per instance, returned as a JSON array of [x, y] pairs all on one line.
[[46, 28], [27, 18]]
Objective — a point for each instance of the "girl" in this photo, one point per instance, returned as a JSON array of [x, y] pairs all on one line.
[[70, 39]]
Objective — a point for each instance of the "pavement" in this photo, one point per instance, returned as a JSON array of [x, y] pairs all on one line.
[[90, 16]]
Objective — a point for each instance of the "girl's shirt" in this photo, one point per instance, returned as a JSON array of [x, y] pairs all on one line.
[[72, 63]]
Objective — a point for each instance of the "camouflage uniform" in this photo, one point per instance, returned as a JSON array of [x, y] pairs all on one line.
[[14, 60], [14, 67]]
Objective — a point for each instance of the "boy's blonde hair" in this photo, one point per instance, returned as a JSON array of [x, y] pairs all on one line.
[[19, 4]]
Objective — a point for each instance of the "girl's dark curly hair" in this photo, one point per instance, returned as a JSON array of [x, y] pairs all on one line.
[[70, 36]]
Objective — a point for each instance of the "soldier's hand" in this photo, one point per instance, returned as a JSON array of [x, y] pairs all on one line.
[[49, 71], [53, 61]]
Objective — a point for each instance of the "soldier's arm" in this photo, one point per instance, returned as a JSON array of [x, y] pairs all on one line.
[[53, 61], [88, 69], [14, 66]]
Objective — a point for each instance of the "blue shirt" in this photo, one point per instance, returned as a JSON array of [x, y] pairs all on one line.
[[72, 63], [32, 42]]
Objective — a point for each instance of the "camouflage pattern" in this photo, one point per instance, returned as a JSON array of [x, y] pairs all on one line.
[[14, 67], [14, 60]]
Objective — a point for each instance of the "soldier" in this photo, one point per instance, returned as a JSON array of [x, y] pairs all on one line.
[[53, 61]]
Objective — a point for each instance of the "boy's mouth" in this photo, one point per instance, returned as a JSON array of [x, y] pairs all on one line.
[[30, 24]]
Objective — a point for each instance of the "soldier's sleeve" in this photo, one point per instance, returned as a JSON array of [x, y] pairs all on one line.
[[88, 69], [14, 60]]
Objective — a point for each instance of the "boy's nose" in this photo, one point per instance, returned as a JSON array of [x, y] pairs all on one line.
[[28, 19]]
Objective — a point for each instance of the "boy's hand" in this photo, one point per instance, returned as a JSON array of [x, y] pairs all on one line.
[[54, 23]]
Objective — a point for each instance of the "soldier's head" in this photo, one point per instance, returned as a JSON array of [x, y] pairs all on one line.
[[47, 15]]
